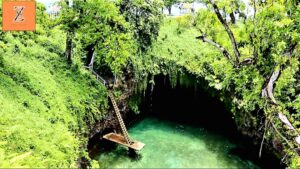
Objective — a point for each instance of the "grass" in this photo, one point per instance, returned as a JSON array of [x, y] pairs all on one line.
[[46, 105]]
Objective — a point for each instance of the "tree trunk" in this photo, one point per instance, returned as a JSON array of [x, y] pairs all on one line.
[[232, 17], [91, 65], [69, 47], [228, 30], [170, 10], [90, 53]]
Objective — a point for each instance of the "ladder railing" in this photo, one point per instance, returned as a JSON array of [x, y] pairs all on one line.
[[98, 77]]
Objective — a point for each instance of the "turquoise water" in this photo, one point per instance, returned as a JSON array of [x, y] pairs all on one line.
[[170, 145]]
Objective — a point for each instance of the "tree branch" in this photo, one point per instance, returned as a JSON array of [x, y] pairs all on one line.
[[228, 30], [297, 139], [218, 46], [285, 120], [263, 139], [254, 6], [268, 90], [285, 139], [247, 61]]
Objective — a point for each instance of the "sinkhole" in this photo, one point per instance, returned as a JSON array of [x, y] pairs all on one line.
[[185, 126]]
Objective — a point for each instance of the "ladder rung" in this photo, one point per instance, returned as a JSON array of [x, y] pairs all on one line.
[[121, 122]]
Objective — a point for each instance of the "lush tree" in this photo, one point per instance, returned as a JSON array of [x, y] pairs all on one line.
[[105, 36], [252, 63], [144, 17], [100, 33], [168, 4], [69, 20], [266, 43]]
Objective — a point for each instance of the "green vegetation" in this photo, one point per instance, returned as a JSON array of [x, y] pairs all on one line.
[[266, 45], [107, 34], [46, 104], [144, 20], [49, 101]]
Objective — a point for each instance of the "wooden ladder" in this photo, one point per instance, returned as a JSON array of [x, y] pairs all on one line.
[[115, 106], [120, 119]]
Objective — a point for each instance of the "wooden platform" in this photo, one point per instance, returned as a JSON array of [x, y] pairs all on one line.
[[117, 138]]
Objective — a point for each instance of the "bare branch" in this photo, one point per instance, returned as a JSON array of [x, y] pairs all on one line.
[[263, 139], [285, 120], [247, 61], [285, 139], [290, 50], [218, 46], [228, 30], [268, 90], [297, 139], [270, 85]]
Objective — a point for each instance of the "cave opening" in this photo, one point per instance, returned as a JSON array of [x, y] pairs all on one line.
[[199, 105], [193, 105]]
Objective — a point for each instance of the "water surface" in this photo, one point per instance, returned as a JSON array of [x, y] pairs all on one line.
[[170, 145]]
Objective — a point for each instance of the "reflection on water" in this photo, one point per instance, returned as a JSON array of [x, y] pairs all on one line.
[[169, 145]]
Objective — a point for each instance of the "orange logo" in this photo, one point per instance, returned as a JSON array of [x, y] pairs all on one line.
[[18, 15]]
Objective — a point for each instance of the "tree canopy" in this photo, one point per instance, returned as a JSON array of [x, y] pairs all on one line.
[[246, 51], [251, 59]]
